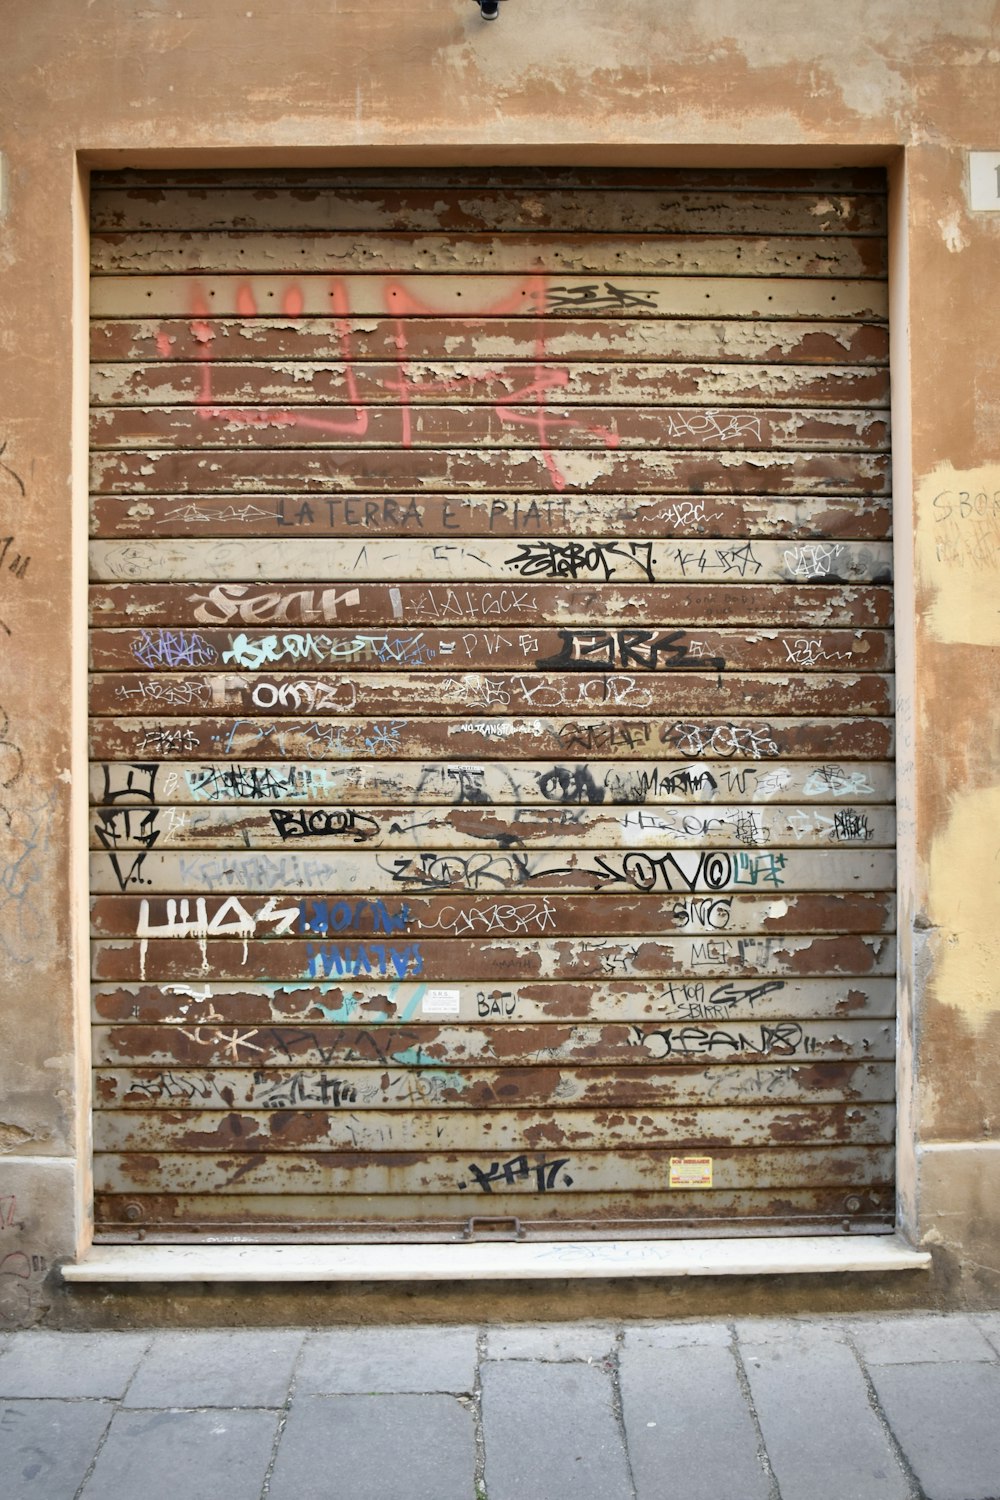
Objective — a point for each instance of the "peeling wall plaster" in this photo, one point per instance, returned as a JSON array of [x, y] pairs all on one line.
[[965, 882], [958, 553]]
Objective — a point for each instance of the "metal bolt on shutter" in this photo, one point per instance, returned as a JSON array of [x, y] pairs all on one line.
[[492, 788]]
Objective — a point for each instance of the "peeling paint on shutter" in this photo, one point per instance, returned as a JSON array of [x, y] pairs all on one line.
[[492, 786]]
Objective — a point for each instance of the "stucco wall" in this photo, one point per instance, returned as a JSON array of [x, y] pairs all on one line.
[[911, 83]]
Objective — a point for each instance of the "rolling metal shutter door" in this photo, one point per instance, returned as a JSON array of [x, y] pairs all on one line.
[[491, 710]]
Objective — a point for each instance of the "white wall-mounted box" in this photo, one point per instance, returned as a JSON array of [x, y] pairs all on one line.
[[984, 181]]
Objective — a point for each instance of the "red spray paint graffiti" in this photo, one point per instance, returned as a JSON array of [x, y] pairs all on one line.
[[526, 406]]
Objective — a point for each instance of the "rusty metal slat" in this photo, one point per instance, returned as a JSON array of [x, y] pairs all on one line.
[[317, 471], [439, 1172], [422, 1046], [485, 296], [328, 739], [203, 602], [180, 960], [491, 382], [806, 341], [456, 783], [503, 694], [681, 871], [597, 560], [445, 1183], [632, 650], [696, 1130], [609, 826], [695, 997], [515, 423], [188, 914], [123, 183], [345, 1219], [413, 210], [711, 739], [131, 252], [396, 470], [632, 516], [783, 234], [287, 1087]]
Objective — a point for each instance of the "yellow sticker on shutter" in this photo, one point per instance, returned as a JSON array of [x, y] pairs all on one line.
[[691, 1171]]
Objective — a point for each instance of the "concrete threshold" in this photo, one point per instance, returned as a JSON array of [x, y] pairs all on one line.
[[808, 1255]]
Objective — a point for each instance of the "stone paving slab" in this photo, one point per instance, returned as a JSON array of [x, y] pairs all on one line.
[[915, 1340], [677, 1335], [989, 1326], [42, 1363], [689, 1428], [551, 1433], [390, 1360], [822, 1437], [46, 1447], [552, 1341], [376, 1448], [806, 1333], [162, 1455], [226, 1367], [947, 1420]]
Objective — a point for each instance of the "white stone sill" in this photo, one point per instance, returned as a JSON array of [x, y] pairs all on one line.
[[808, 1255]]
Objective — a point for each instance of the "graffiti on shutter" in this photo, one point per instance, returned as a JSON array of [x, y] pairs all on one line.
[[491, 703]]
